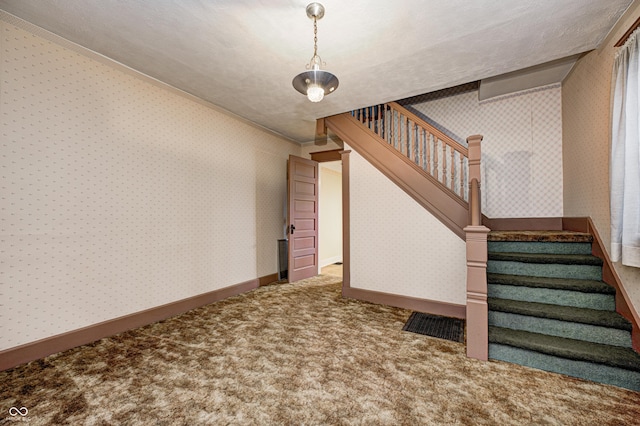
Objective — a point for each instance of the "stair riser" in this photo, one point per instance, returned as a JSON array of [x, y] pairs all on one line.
[[553, 270], [538, 247], [584, 370], [567, 329], [603, 302]]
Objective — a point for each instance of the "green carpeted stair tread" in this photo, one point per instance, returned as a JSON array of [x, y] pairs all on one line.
[[563, 259], [563, 313], [584, 286], [597, 353], [541, 236]]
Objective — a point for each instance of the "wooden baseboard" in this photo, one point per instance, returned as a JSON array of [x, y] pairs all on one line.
[[18, 355], [609, 275], [406, 302], [268, 279]]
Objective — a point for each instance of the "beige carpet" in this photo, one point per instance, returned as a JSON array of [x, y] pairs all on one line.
[[296, 354]]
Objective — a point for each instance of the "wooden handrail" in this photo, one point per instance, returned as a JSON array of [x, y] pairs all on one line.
[[441, 157], [433, 130]]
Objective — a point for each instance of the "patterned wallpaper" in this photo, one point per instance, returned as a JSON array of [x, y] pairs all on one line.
[[119, 195], [396, 245], [521, 150], [587, 140]]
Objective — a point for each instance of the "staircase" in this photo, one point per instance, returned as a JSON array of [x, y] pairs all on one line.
[[540, 299], [549, 308], [427, 164]]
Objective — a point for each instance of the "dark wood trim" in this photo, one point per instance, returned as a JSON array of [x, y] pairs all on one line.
[[626, 35], [324, 156], [577, 224], [321, 128], [524, 224], [267, 279], [346, 222], [18, 355], [423, 188], [609, 275], [406, 302]]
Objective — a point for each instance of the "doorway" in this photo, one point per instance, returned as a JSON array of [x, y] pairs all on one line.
[[330, 217], [328, 246]]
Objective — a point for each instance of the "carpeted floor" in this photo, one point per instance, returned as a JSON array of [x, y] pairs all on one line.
[[292, 354]]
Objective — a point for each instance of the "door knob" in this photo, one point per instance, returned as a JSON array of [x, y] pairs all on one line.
[[293, 228]]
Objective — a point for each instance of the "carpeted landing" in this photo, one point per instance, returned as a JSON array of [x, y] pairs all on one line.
[[296, 354]]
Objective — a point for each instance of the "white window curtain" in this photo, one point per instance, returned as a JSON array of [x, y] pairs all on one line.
[[625, 155]]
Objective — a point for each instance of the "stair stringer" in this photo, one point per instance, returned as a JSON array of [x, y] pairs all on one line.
[[418, 184]]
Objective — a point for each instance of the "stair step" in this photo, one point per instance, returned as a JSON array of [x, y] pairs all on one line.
[[555, 291], [559, 328], [603, 302], [546, 258], [574, 266], [539, 247], [540, 236], [567, 348], [562, 313], [590, 361], [584, 286]]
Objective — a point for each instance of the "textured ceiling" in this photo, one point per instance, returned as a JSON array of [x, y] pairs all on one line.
[[242, 54]]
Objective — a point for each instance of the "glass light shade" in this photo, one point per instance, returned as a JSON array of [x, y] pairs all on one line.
[[315, 93], [316, 78]]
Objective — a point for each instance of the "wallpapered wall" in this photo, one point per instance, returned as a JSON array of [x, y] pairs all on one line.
[[397, 246], [119, 195], [521, 150], [587, 141]]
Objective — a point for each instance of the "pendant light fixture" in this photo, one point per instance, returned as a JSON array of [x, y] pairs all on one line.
[[315, 83]]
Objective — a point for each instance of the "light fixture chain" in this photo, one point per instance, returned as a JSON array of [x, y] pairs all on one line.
[[315, 36]]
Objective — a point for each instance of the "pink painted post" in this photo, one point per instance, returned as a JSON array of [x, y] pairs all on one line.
[[477, 309], [476, 240]]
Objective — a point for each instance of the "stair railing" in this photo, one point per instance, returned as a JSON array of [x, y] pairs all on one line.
[[430, 149]]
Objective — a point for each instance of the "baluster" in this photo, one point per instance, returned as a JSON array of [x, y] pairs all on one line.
[[400, 126], [435, 158], [395, 127], [399, 131], [387, 124], [428, 164], [461, 176], [453, 170], [444, 163], [408, 136], [421, 141], [416, 143], [419, 147], [372, 119], [383, 124]]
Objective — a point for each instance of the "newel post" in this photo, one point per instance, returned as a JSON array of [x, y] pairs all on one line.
[[476, 241]]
